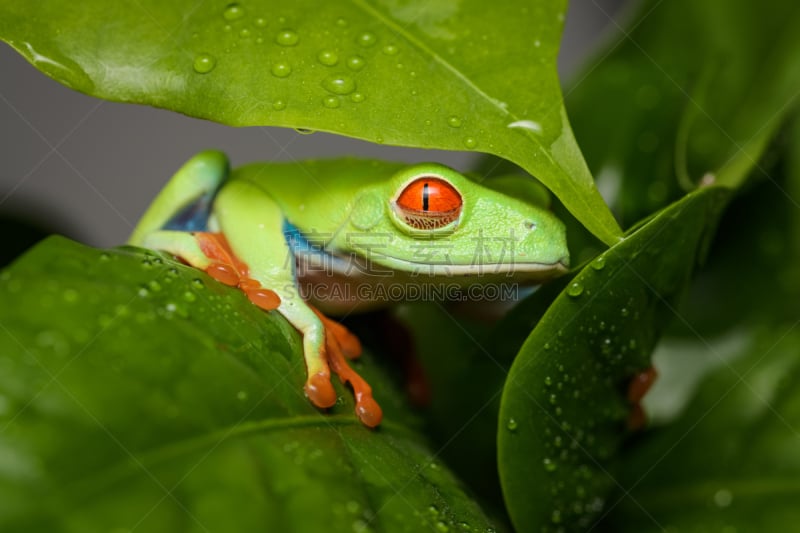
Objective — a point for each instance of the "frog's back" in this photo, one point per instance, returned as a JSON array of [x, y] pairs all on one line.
[[319, 191]]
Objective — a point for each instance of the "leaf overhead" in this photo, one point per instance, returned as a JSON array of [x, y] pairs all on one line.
[[140, 393], [465, 75]]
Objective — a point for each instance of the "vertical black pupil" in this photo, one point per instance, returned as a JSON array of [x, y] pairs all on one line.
[[425, 197]]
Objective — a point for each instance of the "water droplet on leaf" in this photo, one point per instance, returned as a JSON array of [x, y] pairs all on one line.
[[233, 12], [366, 39], [328, 58], [281, 69], [575, 289], [355, 62], [204, 63], [339, 84], [331, 102], [287, 38]]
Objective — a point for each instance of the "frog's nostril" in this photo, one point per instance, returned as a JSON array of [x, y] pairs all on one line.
[[530, 225]]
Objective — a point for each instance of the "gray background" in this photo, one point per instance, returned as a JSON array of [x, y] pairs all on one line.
[[90, 167]]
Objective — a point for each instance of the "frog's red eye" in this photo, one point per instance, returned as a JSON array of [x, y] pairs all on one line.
[[428, 203]]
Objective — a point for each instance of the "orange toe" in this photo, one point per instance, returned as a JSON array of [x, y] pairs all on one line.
[[320, 390]]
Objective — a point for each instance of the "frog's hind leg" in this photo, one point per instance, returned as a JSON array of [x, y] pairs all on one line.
[[253, 225], [184, 203]]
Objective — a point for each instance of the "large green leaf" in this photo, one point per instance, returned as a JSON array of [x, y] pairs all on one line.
[[466, 75], [692, 91], [137, 393], [732, 462], [564, 410]]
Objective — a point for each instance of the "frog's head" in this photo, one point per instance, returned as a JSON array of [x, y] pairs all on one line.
[[430, 219]]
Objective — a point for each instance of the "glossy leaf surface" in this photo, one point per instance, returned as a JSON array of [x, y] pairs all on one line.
[[466, 75], [564, 408], [139, 393]]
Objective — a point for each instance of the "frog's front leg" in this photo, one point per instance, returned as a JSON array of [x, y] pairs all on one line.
[[253, 225]]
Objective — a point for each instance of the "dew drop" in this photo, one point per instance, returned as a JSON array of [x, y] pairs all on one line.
[[241, 395], [454, 122], [356, 62], [366, 39], [233, 12], [549, 464], [575, 289], [624, 312], [281, 69], [189, 296], [287, 38], [304, 131], [341, 22], [470, 142], [227, 27], [599, 263], [331, 102], [442, 527], [537, 43], [548, 381], [390, 50], [244, 33], [70, 295], [204, 63], [723, 498], [357, 97], [261, 22], [328, 58], [279, 105], [198, 283], [511, 425], [339, 84]]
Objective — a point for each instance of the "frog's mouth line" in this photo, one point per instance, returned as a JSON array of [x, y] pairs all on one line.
[[381, 264], [448, 269]]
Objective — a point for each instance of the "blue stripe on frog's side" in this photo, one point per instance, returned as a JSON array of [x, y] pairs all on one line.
[[313, 256], [193, 217], [298, 243]]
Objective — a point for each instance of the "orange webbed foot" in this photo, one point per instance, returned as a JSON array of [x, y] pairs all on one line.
[[367, 409], [637, 388], [229, 270]]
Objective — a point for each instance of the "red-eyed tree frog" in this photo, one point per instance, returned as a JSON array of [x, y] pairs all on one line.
[[363, 225]]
